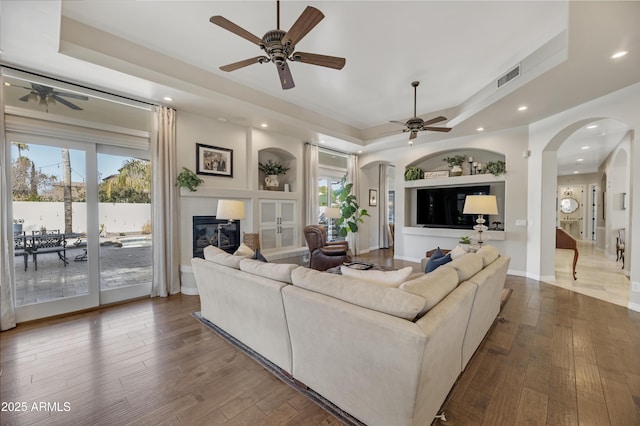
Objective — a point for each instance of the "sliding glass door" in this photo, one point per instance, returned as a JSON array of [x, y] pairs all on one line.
[[124, 210], [52, 197]]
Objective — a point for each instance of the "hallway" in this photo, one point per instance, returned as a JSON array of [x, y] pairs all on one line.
[[598, 276]]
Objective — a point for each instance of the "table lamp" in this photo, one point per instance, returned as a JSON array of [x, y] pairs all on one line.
[[480, 205], [230, 210], [331, 213]]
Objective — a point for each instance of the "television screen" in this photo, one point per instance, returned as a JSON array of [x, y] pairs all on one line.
[[442, 207]]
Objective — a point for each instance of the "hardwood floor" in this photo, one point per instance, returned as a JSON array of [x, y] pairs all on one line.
[[560, 358]]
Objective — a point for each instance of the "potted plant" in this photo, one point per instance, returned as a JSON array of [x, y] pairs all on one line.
[[465, 242], [17, 225], [413, 173], [188, 179], [455, 163], [350, 212], [272, 169], [496, 168]]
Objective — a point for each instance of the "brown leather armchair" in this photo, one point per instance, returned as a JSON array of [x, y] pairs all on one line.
[[322, 254]]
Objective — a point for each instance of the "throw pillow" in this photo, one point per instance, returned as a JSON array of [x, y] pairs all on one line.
[[386, 278], [457, 252], [243, 250], [433, 264]]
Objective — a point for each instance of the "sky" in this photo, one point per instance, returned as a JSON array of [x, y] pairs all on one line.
[[49, 160]]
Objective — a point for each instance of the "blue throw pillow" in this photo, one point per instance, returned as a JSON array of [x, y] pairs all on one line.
[[258, 256], [433, 263]]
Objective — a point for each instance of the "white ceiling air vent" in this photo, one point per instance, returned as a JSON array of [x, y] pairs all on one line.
[[509, 76]]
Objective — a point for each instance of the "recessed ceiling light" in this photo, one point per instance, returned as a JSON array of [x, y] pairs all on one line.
[[360, 152], [593, 126], [580, 159], [619, 54], [321, 141], [264, 125], [585, 147], [480, 129], [168, 98], [575, 172], [222, 119], [522, 108], [6, 83]]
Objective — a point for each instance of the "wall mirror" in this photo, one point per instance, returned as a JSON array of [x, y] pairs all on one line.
[[569, 205]]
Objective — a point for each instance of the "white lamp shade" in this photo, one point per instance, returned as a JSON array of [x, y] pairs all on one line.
[[480, 204], [230, 209], [332, 212]]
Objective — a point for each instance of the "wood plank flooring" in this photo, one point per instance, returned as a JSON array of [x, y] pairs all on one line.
[[560, 358]]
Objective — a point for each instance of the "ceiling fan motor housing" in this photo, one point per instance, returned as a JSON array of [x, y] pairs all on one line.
[[272, 44]]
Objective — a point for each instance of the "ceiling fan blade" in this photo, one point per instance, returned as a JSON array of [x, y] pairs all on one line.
[[25, 98], [413, 135], [66, 103], [71, 95], [398, 122], [286, 79], [437, 129], [310, 18], [321, 60], [237, 30], [242, 64], [434, 120]]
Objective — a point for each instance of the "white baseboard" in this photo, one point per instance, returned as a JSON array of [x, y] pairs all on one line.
[[634, 306]]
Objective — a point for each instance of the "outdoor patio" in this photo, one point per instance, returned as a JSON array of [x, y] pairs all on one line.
[[119, 267]]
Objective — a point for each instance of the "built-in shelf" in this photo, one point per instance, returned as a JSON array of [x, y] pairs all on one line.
[[213, 192], [454, 181], [452, 233]]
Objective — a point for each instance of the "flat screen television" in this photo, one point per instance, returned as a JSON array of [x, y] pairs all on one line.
[[442, 207]]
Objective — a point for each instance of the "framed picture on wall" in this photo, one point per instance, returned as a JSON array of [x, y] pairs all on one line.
[[214, 161], [373, 197]]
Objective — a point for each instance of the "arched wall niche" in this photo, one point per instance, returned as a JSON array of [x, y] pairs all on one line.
[[435, 161], [285, 158]]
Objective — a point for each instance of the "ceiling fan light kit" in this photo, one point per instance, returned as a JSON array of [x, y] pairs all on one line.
[[279, 46]]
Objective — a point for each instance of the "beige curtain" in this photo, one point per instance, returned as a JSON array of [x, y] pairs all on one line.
[[383, 206], [7, 278], [352, 177], [311, 173], [166, 204]]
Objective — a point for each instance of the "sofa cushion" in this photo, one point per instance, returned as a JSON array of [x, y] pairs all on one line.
[[433, 287], [435, 262], [244, 250], [274, 271], [385, 278], [221, 257], [467, 266], [488, 253], [391, 301]]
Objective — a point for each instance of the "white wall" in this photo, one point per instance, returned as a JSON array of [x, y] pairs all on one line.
[[116, 217]]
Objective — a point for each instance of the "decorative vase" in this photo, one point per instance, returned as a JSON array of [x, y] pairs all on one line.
[[272, 182], [455, 170]]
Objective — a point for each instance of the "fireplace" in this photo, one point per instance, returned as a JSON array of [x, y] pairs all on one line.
[[205, 232]]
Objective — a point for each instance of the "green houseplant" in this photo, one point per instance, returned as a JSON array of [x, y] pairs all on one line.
[[496, 168], [413, 173], [273, 168], [455, 163], [350, 212], [465, 240], [188, 179]]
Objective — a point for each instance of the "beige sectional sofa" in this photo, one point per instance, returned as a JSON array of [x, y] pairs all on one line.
[[386, 354]]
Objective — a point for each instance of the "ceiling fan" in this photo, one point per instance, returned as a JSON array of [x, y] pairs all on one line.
[[46, 96], [417, 124], [279, 45]]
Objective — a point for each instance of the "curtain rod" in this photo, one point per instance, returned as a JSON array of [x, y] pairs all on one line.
[[104, 92], [322, 148]]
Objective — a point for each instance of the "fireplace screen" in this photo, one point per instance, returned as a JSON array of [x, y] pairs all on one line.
[[205, 232]]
